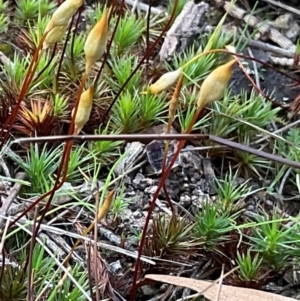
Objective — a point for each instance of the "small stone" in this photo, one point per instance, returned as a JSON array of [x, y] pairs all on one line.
[[193, 180], [149, 290], [137, 214], [137, 180], [269, 203], [196, 176], [250, 208], [195, 198], [148, 181], [197, 192], [198, 201], [129, 194], [192, 186], [185, 186], [126, 215], [129, 189], [185, 200], [127, 180], [151, 190], [115, 266]]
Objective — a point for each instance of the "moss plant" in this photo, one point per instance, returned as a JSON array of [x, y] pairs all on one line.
[[250, 266], [4, 5], [170, 237], [230, 191], [128, 32], [124, 112], [80, 161], [152, 109], [39, 166], [213, 226], [121, 70], [27, 10], [30, 9], [120, 204], [275, 242], [3, 23], [60, 106]]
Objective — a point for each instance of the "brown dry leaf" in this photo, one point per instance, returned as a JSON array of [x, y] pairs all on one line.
[[228, 293], [98, 267]]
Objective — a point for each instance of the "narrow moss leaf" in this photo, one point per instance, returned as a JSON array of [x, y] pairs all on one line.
[[96, 41], [65, 12], [55, 35], [165, 81], [214, 86], [84, 109]]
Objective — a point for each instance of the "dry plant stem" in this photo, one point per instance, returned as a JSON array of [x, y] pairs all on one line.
[[257, 81], [283, 181], [252, 81], [147, 54], [28, 262], [28, 78], [2, 265], [11, 197], [220, 284], [281, 130], [150, 137], [63, 278], [96, 239], [90, 272], [148, 31], [3, 241], [283, 6], [168, 199]]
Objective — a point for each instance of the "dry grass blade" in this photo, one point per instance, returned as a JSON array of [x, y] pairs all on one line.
[[228, 293]]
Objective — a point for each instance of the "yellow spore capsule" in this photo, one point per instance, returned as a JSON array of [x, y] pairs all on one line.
[[65, 12], [214, 86], [55, 35], [84, 109], [165, 81], [96, 41]]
